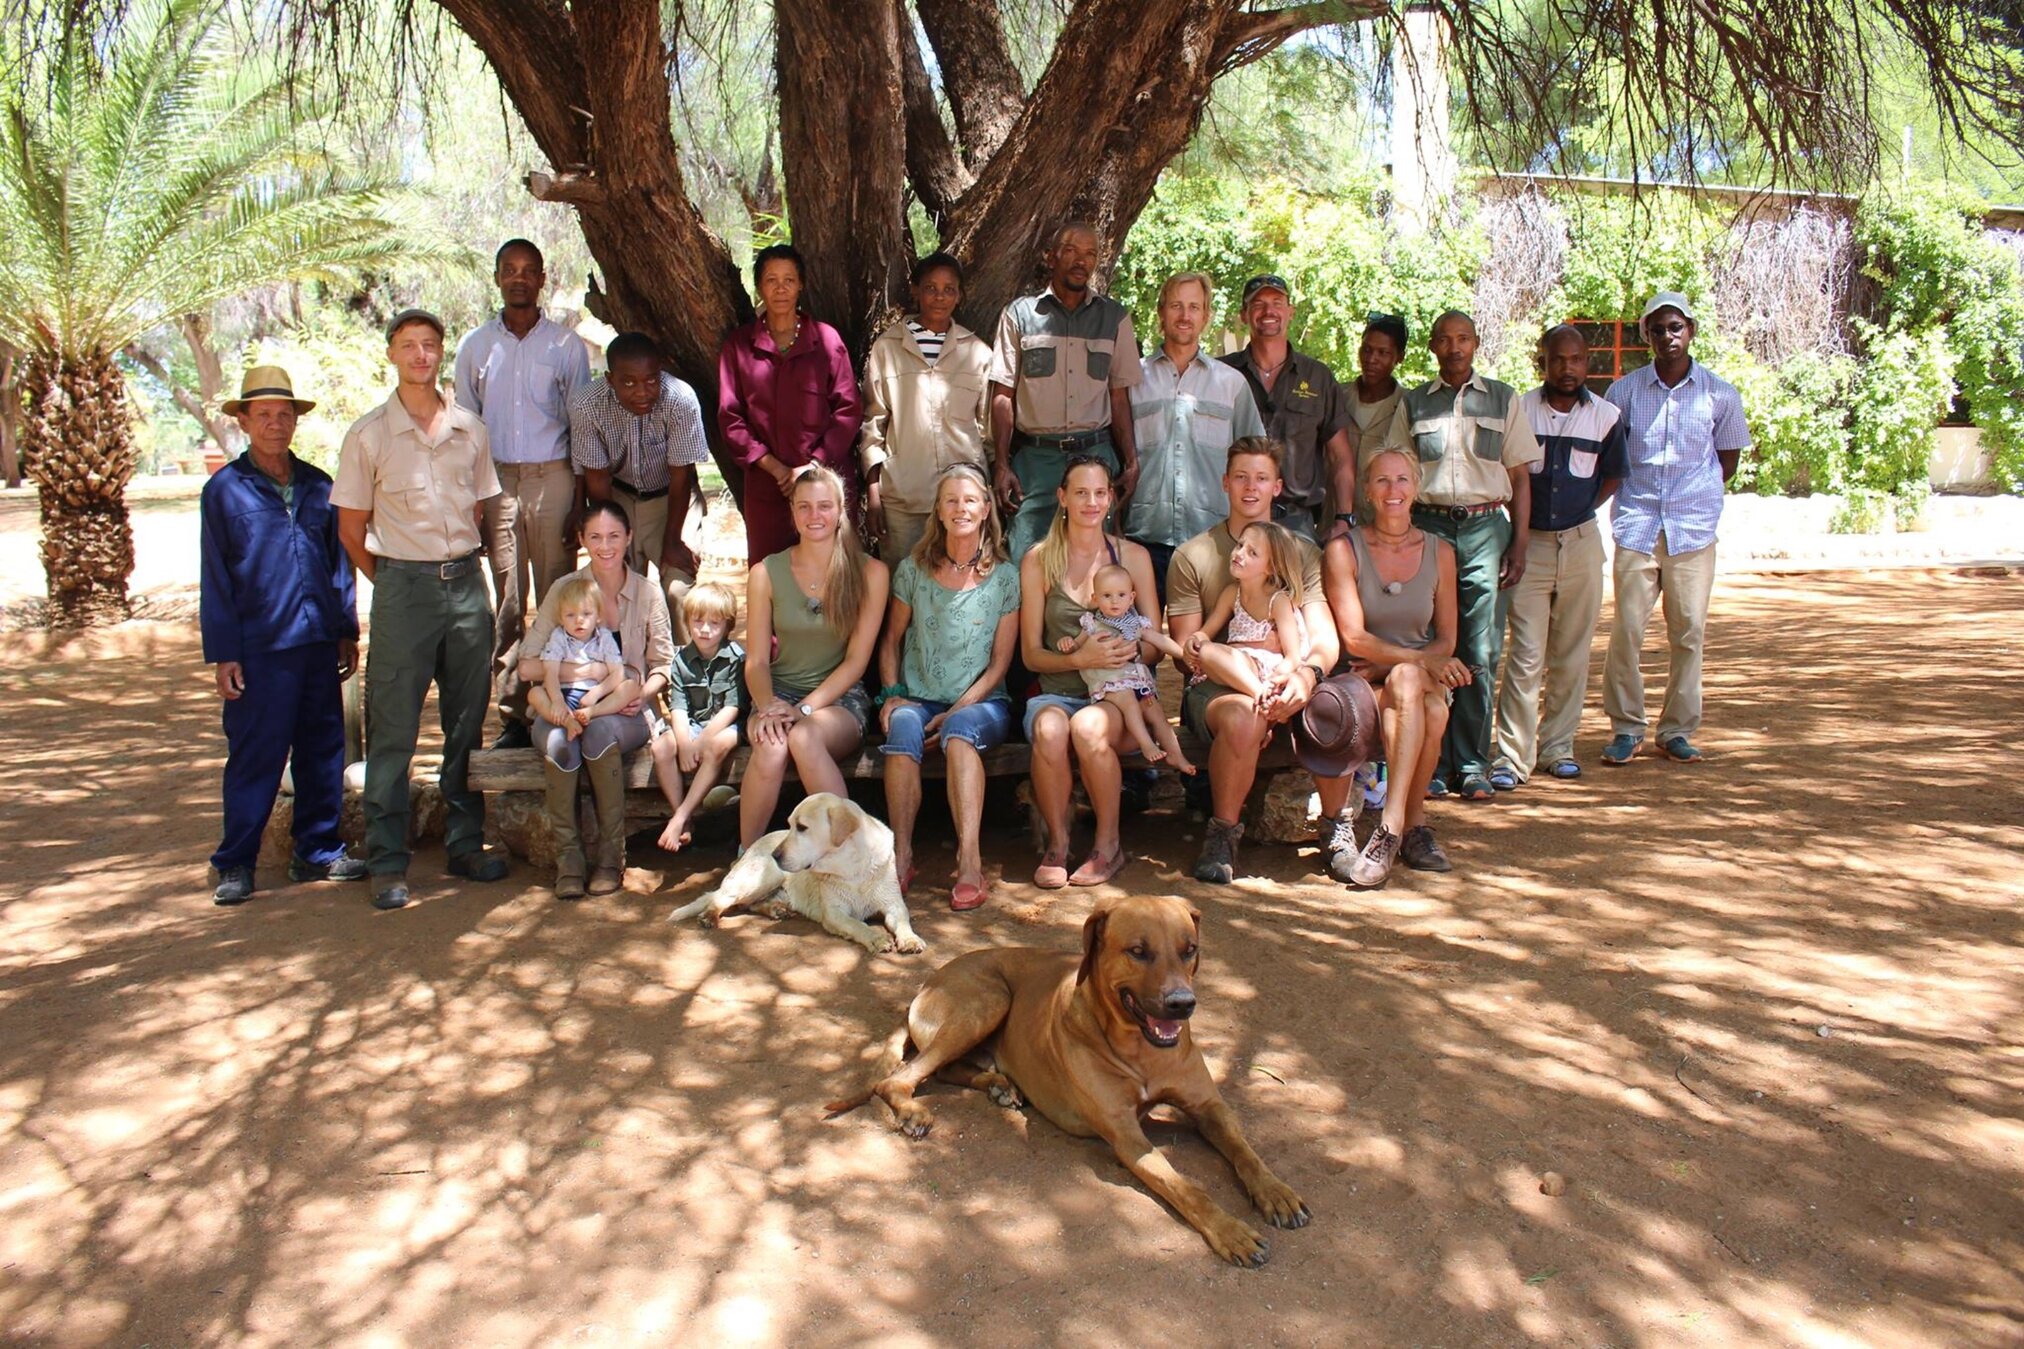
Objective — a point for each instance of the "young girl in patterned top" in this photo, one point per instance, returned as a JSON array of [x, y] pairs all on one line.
[[1129, 688], [1261, 612]]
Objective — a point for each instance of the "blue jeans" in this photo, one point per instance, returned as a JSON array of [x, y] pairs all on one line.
[[1040, 702], [984, 725]]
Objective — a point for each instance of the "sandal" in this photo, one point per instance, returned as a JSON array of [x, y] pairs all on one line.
[[1565, 769], [968, 895], [1097, 869], [1052, 873]]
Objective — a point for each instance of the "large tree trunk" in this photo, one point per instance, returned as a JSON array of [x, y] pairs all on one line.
[[859, 125], [77, 447]]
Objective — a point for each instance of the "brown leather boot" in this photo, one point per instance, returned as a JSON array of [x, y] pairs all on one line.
[[607, 850], [560, 803]]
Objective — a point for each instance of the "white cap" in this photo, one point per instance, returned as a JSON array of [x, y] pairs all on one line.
[[1667, 299]]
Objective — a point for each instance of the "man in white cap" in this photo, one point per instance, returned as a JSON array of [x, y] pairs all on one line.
[[280, 623], [1684, 432]]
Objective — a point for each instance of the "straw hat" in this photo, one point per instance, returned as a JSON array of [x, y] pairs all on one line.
[[263, 383]]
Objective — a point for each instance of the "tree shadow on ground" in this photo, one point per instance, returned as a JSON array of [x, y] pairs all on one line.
[[1761, 1013]]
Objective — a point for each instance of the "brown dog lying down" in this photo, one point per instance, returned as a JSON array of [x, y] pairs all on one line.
[[1094, 1043]]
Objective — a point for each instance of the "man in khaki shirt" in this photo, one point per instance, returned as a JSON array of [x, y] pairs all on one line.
[[412, 480], [1475, 451]]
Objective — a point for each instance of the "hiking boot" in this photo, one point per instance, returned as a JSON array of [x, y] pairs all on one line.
[[1374, 864], [1218, 863], [235, 886], [514, 735], [390, 891], [343, 867], [1420, 851], [479, 864], [1621, 750], [1338, 841]]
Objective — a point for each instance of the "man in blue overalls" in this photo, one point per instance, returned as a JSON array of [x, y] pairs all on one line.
[[281, 625]]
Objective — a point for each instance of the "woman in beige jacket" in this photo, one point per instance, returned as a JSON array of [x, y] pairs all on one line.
[[927, 405]]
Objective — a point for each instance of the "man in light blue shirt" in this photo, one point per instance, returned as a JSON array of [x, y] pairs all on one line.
[[1186, 413], [1684, 432], [517, 373]]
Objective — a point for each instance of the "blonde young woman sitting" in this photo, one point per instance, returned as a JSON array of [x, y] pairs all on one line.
[[822, 599]]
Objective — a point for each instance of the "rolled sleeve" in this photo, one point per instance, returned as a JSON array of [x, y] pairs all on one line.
[[1521, 446], [1005, 351], [1126, 370]]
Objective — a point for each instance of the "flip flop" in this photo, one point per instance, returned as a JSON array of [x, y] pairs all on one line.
[[1052, 873], [968, 895], [1097, 870]]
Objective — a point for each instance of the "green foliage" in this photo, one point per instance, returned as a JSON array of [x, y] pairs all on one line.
[[1900, 390], [1798, 416], [1621, 251], [152, 173]]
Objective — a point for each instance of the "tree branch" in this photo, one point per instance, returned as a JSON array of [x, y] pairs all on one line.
[[184, 398], [1260, 32], [937, 175], [983, 84]]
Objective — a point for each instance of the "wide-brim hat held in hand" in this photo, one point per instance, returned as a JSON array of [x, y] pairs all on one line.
[[262, 383], [1337, 732]]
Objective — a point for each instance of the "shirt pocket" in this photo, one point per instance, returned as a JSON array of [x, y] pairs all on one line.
[[1431, 438], [1581, 463], [547, 389], [1037, 362], [1490, 439], [411, 488], [1097, 361]]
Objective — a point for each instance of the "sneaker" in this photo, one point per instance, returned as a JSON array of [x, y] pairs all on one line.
[[1681, 750], [235, 886], [1565, 769], [344, 867], [1374, 864], [1420, 851], [1504, 780], [1621, 750], [514, 735], [1337, 836], [1476, 787], [1218, 863], [1436, 788], [390, 892], [479, 864]]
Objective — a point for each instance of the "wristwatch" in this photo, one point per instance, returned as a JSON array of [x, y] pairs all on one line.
[[805, 710], [1319, 673]]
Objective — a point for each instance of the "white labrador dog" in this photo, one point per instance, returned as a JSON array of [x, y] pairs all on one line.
[[832, 864]]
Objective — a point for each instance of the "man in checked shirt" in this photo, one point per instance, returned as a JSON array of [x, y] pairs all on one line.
[[637, 436]]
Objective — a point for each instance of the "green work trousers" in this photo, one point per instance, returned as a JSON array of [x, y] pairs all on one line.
[[1480, 541], [424, 629]]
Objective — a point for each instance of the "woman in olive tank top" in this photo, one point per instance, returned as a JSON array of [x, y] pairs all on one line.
[[1391, 586]]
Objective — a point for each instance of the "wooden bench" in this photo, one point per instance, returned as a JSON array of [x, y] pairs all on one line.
[[517, 772]]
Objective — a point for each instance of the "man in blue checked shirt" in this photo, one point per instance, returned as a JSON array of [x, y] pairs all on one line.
[[1684, 432], [280, 623]]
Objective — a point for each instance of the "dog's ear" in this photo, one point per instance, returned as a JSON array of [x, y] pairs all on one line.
[[1195, 917], [1092, 942], [842, 821]]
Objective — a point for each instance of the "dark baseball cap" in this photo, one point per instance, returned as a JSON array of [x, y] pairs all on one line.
[[407, 316], [1266, 282]]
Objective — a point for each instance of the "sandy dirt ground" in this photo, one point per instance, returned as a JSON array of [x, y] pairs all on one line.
[[1763, 1014]]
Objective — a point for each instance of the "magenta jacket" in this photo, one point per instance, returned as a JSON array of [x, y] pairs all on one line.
[[799, 407]]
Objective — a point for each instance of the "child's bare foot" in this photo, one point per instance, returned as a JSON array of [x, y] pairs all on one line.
[[675, 837], [1153, 753], [1182, 764]]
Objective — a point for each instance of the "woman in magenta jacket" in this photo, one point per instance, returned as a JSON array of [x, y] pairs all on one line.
[[787, 397]]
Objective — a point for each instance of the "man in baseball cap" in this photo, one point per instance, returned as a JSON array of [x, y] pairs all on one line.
[[1304, 409], [280, 624]]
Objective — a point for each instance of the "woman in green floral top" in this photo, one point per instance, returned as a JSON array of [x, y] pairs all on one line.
[[951, 627]]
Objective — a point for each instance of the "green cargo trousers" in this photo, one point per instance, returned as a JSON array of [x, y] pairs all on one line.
[[1479, 541], [424, 629], [1039, 467]]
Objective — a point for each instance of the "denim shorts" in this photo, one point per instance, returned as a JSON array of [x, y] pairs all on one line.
[[1040, 702], [984, 725]]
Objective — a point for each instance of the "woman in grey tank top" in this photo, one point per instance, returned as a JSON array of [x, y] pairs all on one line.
[[1391, 587]]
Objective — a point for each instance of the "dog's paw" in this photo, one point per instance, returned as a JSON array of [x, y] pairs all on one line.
[[1281, 1207], [909, 945], [776, 909], [708, 918], [1003, 1093], [913, 1119], [1233, 1240]]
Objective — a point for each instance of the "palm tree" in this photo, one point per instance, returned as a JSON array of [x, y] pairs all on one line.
[[146, 171]]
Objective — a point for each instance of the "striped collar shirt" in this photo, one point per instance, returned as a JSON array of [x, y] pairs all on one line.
[[929, 342], [521, 387], [1673, 438], [637, 451]]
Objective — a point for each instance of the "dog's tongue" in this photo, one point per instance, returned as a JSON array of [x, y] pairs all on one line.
[[1166, 1030]]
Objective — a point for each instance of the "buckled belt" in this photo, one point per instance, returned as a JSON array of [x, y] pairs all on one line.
[[1074, 440], [636, 494], [442, 571], [1456, 512]]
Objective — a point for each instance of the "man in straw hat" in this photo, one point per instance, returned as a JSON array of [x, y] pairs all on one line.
[[412, 479], [280, 623]]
